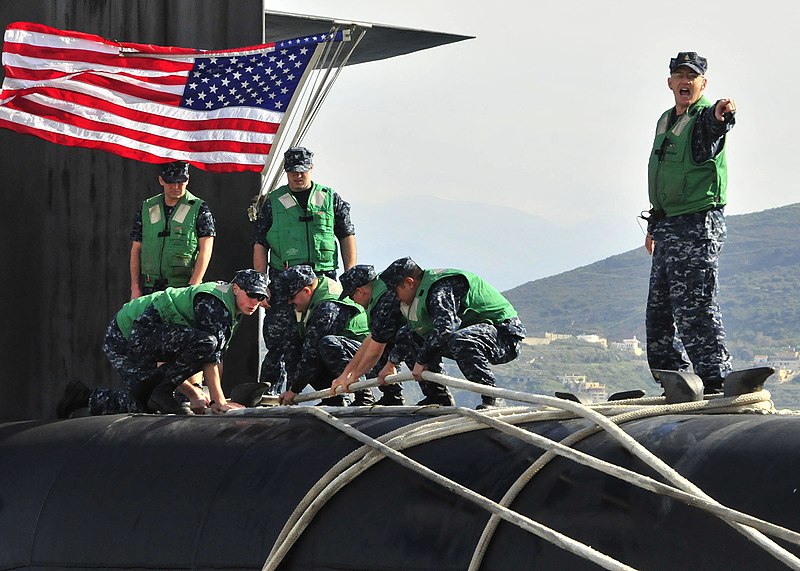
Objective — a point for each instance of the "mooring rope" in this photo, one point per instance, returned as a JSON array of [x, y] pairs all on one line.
[[504, 419]]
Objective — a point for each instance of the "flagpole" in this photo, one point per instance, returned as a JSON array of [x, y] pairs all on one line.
[[261, 347]]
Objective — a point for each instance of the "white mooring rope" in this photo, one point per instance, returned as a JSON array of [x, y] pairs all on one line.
[[504, 419]]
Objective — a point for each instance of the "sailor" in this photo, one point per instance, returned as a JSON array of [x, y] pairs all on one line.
[[687, 176], [361, 284], [322, 320], [172, 237], [450, 313], [156, 341], [299, 223]]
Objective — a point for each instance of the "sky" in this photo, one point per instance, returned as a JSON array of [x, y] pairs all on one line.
[[551, 111]]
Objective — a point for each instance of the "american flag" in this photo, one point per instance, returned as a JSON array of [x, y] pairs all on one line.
[[218, 110]]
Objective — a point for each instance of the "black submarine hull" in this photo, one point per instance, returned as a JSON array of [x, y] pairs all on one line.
[[169, 492]]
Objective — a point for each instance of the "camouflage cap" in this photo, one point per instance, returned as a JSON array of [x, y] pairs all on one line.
[[175, 172], [251, 281], [297, 159], [356, 277], [397, 271], [690, 60], [296, 278]]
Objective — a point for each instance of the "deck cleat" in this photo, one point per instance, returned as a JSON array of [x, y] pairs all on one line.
[[626, 395], [570, 396], [679, 386], [746, 381], [249, 394]]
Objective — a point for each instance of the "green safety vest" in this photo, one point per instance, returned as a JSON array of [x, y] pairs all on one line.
[[176, 305], [676, 184], [329, 290], [169, 257], [300, 236], [483, 304], [132, 310]]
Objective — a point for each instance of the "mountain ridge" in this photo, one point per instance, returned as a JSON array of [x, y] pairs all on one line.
[[759, 273]]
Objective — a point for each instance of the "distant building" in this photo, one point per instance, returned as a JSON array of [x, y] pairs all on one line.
[[557, 336], [537, 341], [633, 345], [590, 391], [594, 339], [785, 363]]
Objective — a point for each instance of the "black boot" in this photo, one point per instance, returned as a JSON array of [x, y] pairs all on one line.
[[363, 398], [337, 400], [392, 395], [486, 402], [162, 400], [435, 394], [76, 397]]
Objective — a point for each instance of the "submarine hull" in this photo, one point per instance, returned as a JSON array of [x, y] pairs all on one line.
[[170, 492]]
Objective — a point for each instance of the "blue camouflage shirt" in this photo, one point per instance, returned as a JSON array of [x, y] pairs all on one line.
[[328, 318]]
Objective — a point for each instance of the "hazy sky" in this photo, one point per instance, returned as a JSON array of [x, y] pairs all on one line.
[[551, 109]]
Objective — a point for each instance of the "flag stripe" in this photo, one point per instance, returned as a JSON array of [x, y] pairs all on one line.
[[149, 112], [125, 146], [133, 130], [218, 110], [26, 68], [152, 113]]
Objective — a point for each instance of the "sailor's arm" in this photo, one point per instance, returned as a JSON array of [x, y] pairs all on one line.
[[260, 245], [205, 246], [136, 269], [259, 258], [349, 254], [362, 362], [212, 372], [345, 231]]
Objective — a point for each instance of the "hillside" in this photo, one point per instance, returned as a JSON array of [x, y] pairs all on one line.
[[759, 273]]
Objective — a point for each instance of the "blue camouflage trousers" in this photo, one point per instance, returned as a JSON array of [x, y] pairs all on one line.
[[474, 349], [280, 331], [683, 318], [183, 350], [114, 401]]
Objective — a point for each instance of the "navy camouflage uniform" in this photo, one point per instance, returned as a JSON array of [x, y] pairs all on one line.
[[204, 226], [385, 321], [279, 319], [323, 352], [683, 318], [474, 348], [184, 350]]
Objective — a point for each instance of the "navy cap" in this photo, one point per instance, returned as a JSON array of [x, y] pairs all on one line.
[[296, 278], [297, 159], [356, 277], [175, 172], [690, 60], [397, 271], [251, 281]]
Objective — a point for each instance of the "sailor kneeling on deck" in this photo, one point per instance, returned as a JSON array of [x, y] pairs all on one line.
[[330, 330], [158, 340], [450, 313]]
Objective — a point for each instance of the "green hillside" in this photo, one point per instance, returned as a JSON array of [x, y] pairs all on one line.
[[759, 294], [759, 273]]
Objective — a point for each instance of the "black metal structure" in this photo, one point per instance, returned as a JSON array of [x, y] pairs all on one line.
[[67, 213], [380, 42]]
